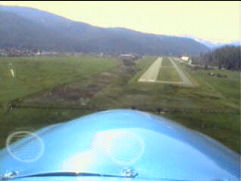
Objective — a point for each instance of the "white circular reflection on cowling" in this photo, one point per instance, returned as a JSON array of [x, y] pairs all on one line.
[[29, 153], [122, 147]]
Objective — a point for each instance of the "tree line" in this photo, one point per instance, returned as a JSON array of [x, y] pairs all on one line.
[[227, 57]]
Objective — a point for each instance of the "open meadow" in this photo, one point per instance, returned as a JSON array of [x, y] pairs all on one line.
[[48, 90]]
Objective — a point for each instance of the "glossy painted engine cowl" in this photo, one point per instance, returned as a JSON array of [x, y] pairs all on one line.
[[120, 142]]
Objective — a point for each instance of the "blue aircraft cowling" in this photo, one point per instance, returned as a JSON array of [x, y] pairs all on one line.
[[126, 143]]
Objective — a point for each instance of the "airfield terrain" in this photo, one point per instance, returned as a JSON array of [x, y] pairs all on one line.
[[172, 73], [49, 90]]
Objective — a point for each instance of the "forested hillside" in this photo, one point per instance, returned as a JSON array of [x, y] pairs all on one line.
[[27, 28]]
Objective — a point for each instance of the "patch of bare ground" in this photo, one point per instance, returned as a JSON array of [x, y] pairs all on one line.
[[78, 93]]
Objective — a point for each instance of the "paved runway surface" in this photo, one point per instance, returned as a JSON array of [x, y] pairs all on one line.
[[185, 80], [152, 73]]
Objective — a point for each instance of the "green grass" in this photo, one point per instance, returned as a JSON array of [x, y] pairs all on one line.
[[35, 74], [167, 72], [166, 62], [212, 107], [141, 66], [33, 119], [209, 108], [229, 86], [220, 126], [169, 75], [225, 91]]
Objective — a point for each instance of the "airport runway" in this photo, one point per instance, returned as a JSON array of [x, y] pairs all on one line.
[[152, 72], [185, 80]]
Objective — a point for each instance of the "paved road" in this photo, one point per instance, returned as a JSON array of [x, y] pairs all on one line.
[[185, 80], [152, 72]]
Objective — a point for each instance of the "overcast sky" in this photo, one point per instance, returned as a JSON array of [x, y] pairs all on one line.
[[215, 21]]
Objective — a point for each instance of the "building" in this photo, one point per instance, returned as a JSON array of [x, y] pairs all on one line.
[[185, 58], [127, 57]]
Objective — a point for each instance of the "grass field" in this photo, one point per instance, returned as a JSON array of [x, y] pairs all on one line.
[[168, 75], [208, 108], [166, 62], [49, 90], [220, 126], [35, 74], [167, 72]]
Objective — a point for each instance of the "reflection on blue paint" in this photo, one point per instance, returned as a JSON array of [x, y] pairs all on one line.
[[121, 142]]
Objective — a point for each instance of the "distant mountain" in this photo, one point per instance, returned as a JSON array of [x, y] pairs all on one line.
[[27, 28], [20, 33], [213, 45], [234, 43]]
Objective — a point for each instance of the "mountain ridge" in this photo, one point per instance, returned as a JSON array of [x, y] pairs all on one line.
[[213, 45], [58, 33]]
